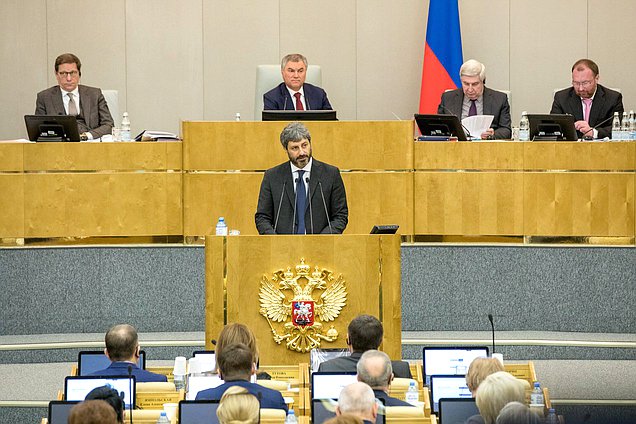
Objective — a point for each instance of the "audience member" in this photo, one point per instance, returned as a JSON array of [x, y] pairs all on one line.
[[111, 397], [237, 405], [479, 369], [358, 399], [517, 413], [495, 392], [364, 333], [122, 348], [92, 412], [237, 333], [374, 369]]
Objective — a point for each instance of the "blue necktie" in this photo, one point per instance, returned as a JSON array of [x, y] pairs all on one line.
[[301, 200]]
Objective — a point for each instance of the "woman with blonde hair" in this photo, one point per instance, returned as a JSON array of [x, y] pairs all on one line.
[[496, 391], [238, 406], [479, 369]]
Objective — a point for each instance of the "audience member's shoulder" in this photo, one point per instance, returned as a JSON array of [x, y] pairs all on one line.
[[475, 419]]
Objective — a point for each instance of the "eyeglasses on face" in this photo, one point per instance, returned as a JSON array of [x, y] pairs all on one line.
[[71, 74]]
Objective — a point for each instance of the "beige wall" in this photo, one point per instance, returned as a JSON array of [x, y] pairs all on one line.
[[196, 59]]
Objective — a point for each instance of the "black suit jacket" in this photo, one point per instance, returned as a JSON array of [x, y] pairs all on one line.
[[605, 103], [495, 103], [401, 369], [388, 400], [94, 116], [279, 98], [325, 181]]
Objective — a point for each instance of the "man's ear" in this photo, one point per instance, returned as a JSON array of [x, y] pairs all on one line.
[[374, 410], [106, 353], [338, 413], [137, 352], [391, 378]]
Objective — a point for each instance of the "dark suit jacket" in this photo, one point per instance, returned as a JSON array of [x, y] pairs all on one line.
[[388, 400], [120, 369], [278, 98], [269, 398], [94, 115], [323, 176], [605, 103], [401, 369], [495, 103]]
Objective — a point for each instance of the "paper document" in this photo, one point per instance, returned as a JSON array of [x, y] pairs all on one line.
[[477, 124]]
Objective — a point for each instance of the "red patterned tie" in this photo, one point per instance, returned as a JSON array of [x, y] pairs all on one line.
[[299, 104]]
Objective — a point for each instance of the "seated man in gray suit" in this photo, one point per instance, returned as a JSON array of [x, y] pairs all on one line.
[[364, 333], [70, 98], [374, 369], [474, 98]]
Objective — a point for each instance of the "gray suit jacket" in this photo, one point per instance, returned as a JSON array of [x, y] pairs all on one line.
[[349, 363], [325, 186], [495, 103], [94, 115]]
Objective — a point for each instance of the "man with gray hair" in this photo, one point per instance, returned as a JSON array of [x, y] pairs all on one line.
[[474, 98], [374, 369], [357, 399], [304, 195], [294, 93]]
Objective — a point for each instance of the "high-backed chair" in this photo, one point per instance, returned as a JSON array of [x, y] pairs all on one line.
[[112, 100], [405, 414], [268, 77]]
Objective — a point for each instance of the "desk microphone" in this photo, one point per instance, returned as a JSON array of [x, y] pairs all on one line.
[[295, 198], [468, 134], [324, 204], [311, 215], [492, 325], [213, 341], [598, 125], [280, 203], [130, 391]]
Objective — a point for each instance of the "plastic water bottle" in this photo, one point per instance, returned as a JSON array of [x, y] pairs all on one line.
[[412, 396], [291, 417], [524, 127], [632, 125], [536, 397], [616, 127], [552, 417], [221, 227], [125, 127], [625, 128], [163, 419], [237, 117]]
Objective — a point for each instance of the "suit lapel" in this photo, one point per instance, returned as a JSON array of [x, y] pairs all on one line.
[[58, 103], [597, 106], [575, 105], [289, 186], [487, 102], [288, 101], [456, 103], [85, 105], [316, 175]]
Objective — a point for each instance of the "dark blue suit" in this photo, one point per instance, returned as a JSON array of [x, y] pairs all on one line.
[[269, 398], [120, 369], [278, 98], [388, 400]]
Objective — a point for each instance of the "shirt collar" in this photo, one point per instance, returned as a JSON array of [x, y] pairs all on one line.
[[307, 167], [292, 92], [75, 92]]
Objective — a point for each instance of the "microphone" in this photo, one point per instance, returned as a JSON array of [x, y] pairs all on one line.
[[213, 341], [468, 134], [285, 104], [307, 103], [295, 198], [598, 125], [130, 391], [492, 325], [324, 204], [311, 215], [280, 203]]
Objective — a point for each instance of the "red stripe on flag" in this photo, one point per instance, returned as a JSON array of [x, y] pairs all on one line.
[[435, 80]]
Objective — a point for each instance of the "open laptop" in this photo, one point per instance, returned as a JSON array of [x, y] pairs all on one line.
[[59, 411], [456, 411], [198, 383], [448, 386], [198, 412], [90, 361], [324, 409], [327, 385], [76, 388], [208, 358], [318, 356], [439, 360]]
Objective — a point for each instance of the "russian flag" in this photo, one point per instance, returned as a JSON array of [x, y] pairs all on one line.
[[442, 53]]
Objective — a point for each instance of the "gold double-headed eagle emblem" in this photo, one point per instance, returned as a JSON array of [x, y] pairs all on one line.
[[303, 317]]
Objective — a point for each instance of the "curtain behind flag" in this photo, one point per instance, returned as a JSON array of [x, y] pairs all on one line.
[[442, 53]]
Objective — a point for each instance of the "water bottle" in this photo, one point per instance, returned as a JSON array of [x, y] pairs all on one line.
[[616, 127], [632, 125], [237, 117], [125, 127], [536, 397], [291, 417], [412, 396], [179, 372], [221, 227], [625, 127], [552, 417], [524, 127], [163, 419]]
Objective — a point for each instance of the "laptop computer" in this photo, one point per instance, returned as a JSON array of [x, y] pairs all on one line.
[[198, 383], [324, 409], [327, 385], [90, 361], [456, 411], [198, 412], [318, 356], [439, 360], [207, 359], [59, 411], [447, 386], [76, 387]]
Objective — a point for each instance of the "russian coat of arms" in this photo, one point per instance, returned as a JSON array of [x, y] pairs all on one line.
[[288, 297]]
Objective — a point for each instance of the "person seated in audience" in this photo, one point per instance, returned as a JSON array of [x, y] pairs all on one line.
[[237, 405], [496, 391], [479, 369], [122, 348], [237, 333], [358, 399], [111, 397], [364, 333], [374, 368], [517, 413], [92, 412], [235, 367], [344, 419]]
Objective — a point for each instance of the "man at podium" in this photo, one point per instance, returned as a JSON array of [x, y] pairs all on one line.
[[304, 195]]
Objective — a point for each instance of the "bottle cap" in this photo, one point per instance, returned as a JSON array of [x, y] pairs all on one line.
[[179, 365]]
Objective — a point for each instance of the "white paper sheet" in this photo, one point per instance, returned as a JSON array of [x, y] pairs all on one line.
[[477, 124]]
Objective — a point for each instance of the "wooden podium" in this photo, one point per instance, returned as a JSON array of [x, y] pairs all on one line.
[[237, 266]]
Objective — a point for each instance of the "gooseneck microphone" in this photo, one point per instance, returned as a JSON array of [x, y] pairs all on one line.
[[311, 214], [295, 199], [324, 204], [130, 394], [492, 326], [597, 125], [468, 134], [280, 203]]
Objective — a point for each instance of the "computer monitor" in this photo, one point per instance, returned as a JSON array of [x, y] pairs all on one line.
[[327, 385], [198, 412], [318, 356], [324, 409], [76, 388], [300, 115], [439, 360], [52, 127], [447, 386], [59, 411], [90, 361], [197, 383], [207, 358], [440, 127], [457, 410], [552, 127]]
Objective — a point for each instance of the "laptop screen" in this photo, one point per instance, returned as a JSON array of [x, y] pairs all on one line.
[[198, 412], [448, 386], [449, 360], [59, 411], [76, 388], [327, 385], [318, 356], [324, 409], [206, 358], [90, 361], [456, 411], [199, 383]]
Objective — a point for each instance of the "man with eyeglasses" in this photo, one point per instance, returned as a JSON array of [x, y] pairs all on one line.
[[589, 102], [70, 98]]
